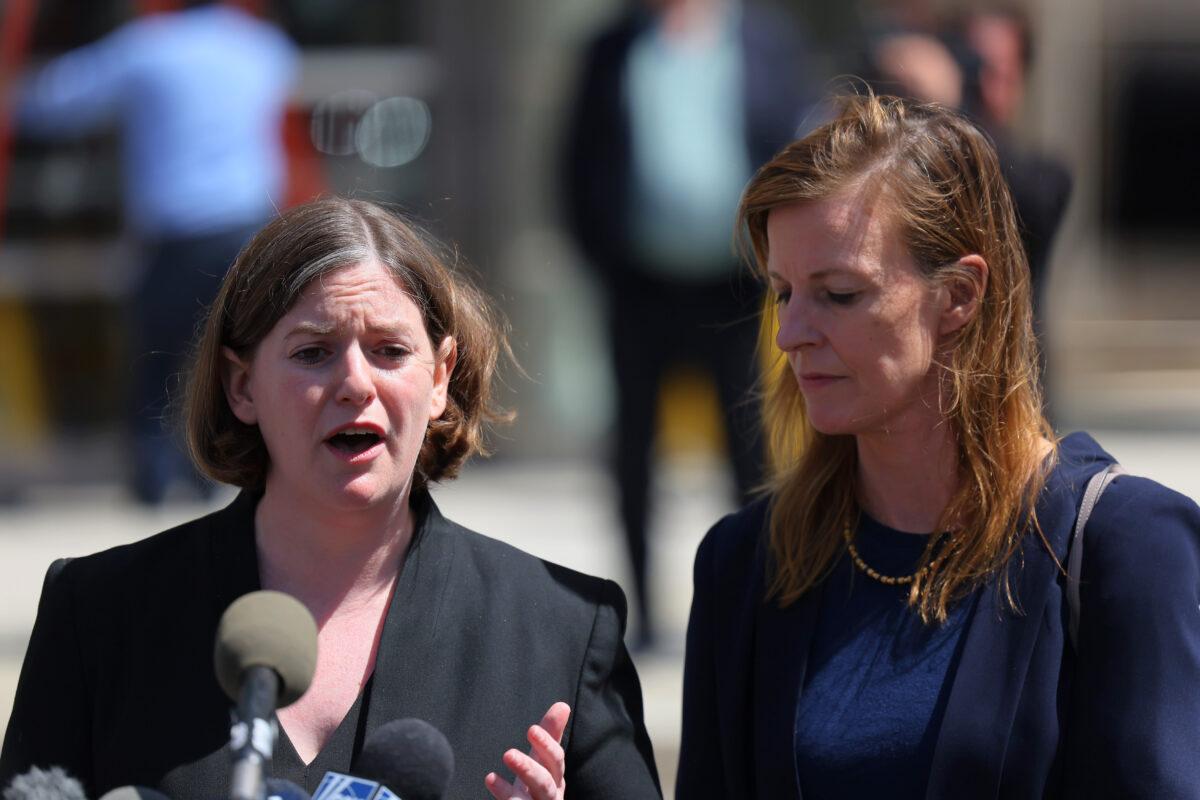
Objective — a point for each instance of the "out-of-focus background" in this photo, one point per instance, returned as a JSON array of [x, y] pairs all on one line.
[[459, 113]]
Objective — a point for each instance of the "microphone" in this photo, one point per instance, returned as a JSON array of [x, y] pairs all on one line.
[[279, 789], [406, 758], [44, 784], [409, 756], [134, 793], [265, 656]]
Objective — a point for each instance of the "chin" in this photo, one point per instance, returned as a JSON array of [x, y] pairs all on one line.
[[830, 421], [833, 428], [365, 492]]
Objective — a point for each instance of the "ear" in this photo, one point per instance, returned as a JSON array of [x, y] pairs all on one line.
[[235, 379], [962, 293], [443, 368]]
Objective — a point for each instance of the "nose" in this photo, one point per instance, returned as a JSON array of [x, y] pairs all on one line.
[[356, 386], [796, 327]]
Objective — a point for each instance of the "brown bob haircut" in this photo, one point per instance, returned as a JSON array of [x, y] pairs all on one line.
[[940, 179], [268, 278]]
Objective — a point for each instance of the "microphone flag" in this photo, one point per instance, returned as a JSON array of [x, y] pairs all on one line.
[[336, 786]]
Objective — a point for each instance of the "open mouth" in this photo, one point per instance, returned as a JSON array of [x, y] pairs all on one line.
[[353, 442]]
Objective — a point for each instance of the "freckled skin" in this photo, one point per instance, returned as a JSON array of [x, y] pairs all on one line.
[[353, 350], [857, 322]]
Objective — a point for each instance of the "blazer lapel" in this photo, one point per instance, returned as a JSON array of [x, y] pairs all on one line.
[[781, 649], [406, 648], [968, 760]]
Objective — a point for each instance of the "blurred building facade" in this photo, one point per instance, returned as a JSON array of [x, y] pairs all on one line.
[[453, 110]]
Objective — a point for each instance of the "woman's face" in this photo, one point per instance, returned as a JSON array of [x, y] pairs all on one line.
[[858, 323], [343, 389]]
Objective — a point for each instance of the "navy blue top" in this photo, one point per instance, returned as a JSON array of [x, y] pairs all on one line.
[[1026, 713], [877, 681]]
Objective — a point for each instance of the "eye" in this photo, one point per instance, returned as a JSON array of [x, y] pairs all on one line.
[[841, 298], [393, 352], [782, 296], [309, 355]]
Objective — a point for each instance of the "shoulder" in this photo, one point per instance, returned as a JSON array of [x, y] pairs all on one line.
[[157, 563], [763, 25], [500, 569], [1143, 537], [614, 39], [734, 548], [735, 536], [117, 562]]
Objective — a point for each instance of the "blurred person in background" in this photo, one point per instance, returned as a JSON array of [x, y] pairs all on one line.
[[346, 366], [895, 619], [919, 66], [199, 96], [678, 102], [980, 65], [999, 40]]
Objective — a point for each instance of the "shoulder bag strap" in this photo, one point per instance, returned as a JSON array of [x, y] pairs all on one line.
[[1091, 495]]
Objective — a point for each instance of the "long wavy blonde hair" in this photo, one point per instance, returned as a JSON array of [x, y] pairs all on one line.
[[943, 182]]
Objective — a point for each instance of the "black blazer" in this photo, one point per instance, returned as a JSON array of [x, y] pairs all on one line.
[[1026, 718], [480, 639]]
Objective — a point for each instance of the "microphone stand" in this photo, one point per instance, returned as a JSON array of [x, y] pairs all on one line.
[[252, 737]]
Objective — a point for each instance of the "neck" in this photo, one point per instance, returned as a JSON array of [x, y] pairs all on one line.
[[691, 20], [907, 477], [330, 560]]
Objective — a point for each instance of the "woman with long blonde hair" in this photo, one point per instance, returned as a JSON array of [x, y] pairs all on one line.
[[896, 618]]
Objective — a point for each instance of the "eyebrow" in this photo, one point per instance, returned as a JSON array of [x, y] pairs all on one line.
[[821, 273], [328, 329]]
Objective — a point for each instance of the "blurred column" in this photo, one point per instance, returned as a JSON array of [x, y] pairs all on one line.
[[507, 69], [22, 416]]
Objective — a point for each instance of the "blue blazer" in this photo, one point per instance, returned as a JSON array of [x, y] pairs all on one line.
[[1027, 717]]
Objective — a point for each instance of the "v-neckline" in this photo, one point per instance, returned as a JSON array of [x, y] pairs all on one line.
[[335, 755], [408, 631]]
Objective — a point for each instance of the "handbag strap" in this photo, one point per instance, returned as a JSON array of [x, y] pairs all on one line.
[[1091, 495]]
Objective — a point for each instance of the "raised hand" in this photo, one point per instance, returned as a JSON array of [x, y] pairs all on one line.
[[539, 772]]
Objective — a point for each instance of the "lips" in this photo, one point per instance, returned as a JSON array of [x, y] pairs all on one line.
[[817, 380], [354, 440]]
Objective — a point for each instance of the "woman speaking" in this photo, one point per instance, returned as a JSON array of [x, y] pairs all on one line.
[[894, 619], [343, 368]]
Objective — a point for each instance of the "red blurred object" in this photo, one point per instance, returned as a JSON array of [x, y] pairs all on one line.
[[305, 176], [14, 48], [157, 6]]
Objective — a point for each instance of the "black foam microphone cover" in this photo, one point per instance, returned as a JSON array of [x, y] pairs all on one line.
[[134, 793], [279, 789], [410, 757], [44, 784], [267, 629]]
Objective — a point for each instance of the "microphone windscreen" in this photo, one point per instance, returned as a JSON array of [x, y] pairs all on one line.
[[134, 793], [410, 757], [267, 629], [279, 789], [44, 784]]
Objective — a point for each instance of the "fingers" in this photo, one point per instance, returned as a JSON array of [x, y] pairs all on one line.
[[555, 720], [500, 788], [548, 752], [536, 778], [540, 775]]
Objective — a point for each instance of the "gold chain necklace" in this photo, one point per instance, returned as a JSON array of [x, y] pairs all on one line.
[[888, 580]]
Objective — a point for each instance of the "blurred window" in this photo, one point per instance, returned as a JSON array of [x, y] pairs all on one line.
[[62, 25], [361, 23], [1155, 164]]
